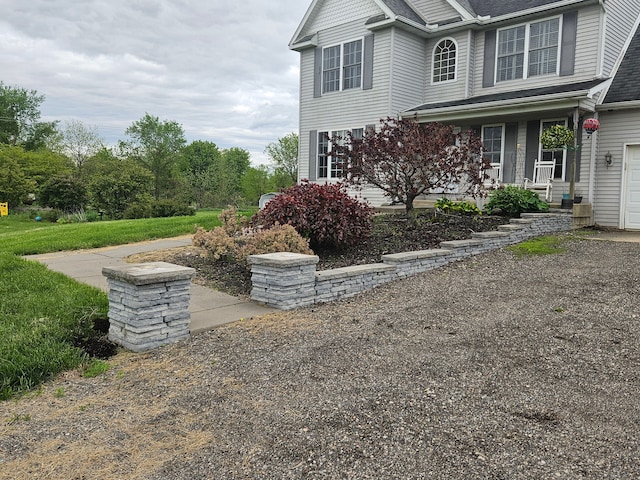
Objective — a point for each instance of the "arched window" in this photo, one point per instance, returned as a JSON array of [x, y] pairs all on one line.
[[444, 61]]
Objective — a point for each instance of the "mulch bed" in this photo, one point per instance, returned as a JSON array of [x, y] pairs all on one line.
[[392, 233]]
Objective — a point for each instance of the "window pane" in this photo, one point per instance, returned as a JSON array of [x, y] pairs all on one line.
[[336, 164], [331, 69], [352, 67], [511, 53], [444, 61], [323, 149], [543, 47], [492, 142]]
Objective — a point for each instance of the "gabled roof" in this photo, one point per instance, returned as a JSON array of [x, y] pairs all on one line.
[[626, 82], [401, 9]]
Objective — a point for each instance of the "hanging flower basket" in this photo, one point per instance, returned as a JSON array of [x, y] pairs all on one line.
[[556, 136]]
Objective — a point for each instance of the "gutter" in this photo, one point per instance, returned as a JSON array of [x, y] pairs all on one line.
[[503, 107]]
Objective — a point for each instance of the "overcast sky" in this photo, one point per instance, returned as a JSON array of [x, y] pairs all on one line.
[[220, 68]]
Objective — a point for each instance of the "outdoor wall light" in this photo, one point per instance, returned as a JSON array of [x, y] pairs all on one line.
[[608, 159]]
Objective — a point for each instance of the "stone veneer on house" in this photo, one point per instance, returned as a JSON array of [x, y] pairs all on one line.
[[287, 280]]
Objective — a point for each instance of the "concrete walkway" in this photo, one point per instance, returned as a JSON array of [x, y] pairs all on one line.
[[617, 236], [209, 308]]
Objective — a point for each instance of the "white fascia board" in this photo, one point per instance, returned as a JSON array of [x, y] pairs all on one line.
[[311, 43], [464, 13], [304, 21], [533, 11], [603, 107]]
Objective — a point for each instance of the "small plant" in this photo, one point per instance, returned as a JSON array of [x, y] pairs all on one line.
[[19, 418], [94, 368], [546, 245], [325, 214], [280, 238], [556, 136], [513, 201], [463, 207], [59, 392]]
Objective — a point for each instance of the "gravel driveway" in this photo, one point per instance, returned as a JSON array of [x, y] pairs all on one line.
[[496, 367]]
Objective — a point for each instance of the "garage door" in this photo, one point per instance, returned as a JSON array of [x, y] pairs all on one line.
[[632, 203]]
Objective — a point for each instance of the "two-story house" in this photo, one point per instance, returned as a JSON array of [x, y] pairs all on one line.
[[507, 69]]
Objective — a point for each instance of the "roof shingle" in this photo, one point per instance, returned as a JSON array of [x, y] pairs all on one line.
[[626, 83]]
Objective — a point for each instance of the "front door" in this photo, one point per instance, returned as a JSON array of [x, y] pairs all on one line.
[[632, 196]]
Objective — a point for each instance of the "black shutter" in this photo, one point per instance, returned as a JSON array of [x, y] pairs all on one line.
[[317, 72], [313, 155], [367, 63], [510, 153], [571, 154], [533, 147], [488, 76], [568, 53]]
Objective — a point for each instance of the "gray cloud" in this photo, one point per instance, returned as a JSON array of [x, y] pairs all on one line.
[[221, 69]]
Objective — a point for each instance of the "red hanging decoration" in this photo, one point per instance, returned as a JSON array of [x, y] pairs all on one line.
[[591, 125]]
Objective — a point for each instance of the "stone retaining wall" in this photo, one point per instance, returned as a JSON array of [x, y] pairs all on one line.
[[148, 304], [287, 280]]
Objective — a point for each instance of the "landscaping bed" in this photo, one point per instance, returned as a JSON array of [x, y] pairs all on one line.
[[392, 233]]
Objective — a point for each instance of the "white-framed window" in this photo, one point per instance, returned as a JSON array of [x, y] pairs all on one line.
[[493, 143], [342, 66], [328, 166], [444, 61], [558, 156], [528, 50]]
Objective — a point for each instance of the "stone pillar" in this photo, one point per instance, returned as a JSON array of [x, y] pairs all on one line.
[[284, 280], [148, 304]]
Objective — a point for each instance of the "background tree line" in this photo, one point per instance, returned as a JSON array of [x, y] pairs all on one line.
[[67, 166]]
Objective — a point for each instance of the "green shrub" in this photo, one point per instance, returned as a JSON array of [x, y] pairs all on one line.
[[139, 209], [325, 214], [464, 207], [51, 215], [170, 208], [63, 192], [513, 201]]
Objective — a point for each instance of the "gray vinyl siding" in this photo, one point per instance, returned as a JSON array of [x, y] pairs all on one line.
[[409, 71], [348, 109], [616, 129], [334, 13], [586, 61], [620, 22], [443, 91], [435, 11]]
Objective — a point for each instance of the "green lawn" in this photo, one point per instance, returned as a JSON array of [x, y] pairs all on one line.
[[42, 313], [21, 236]]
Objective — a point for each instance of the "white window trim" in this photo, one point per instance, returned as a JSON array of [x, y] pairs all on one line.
[[341, 45], [527, 33], [502, 140], [433, 61], [331, 132], [564, 122]]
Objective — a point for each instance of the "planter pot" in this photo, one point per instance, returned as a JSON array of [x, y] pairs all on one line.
[[577, 199], [566, 203]]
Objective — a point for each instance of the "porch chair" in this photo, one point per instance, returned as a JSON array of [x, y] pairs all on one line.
[[543, 172], [494, 176]]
